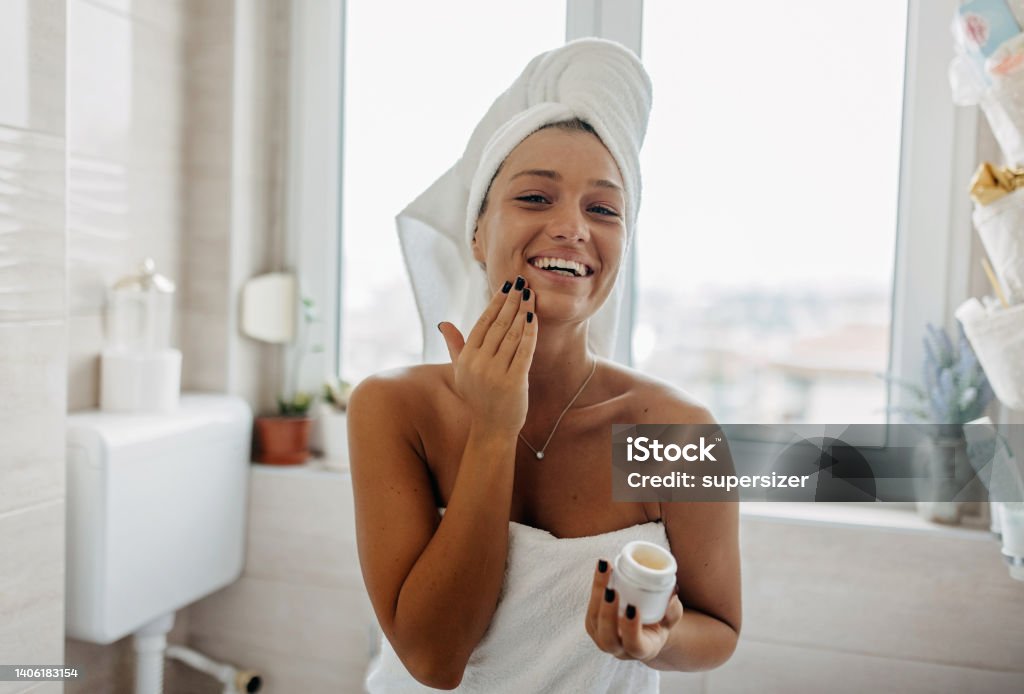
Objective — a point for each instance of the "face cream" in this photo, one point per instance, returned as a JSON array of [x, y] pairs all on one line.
[[644, 575]]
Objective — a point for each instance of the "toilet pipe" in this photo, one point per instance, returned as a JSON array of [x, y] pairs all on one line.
[[149, 643], [234, 680]]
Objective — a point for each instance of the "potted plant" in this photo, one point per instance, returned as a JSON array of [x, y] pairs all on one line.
[[954, 391], [283, 439], [331, 422]]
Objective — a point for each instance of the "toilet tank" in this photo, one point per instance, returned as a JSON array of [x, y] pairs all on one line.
[[156, 512]]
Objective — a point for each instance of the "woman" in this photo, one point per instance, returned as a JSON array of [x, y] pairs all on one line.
[[466, 472]]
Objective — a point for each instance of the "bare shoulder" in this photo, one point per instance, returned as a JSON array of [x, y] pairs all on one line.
[[651, 400], [400, 386], [400, 400]]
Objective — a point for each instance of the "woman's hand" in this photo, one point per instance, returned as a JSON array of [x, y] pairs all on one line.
[[624, 636], [492, 366]]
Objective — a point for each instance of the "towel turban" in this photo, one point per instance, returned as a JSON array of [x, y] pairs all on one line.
[[598, 81]]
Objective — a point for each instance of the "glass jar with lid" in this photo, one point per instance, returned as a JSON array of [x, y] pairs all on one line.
[[140, 311]]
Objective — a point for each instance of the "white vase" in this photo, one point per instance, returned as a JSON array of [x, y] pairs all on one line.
[[1011, 516], [333, 429], [940, 463]]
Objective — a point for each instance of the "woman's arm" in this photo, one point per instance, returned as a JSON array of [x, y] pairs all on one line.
[[434, 586], [704, 537]]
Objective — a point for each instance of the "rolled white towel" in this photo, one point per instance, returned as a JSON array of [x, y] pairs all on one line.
[[598, 81]]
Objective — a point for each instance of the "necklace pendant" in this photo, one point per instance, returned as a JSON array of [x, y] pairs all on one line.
[[540, 455]]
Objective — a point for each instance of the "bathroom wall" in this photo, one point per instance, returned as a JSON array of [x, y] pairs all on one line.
[[125, 114], [236, 96], [881, 602], [162, 164], [299, 614], [176, 114], [848, 608], [33, 336]]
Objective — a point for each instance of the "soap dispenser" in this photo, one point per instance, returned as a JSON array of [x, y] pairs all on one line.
[[140, 371]]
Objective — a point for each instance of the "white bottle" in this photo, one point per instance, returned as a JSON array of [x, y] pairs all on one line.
[[644, 575]]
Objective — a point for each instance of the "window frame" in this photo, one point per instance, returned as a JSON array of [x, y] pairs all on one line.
[[938, 154]]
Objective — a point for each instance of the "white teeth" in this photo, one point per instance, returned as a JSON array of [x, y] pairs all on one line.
[[574, 268]]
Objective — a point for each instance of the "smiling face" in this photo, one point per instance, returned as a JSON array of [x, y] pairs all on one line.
[[555, 214]]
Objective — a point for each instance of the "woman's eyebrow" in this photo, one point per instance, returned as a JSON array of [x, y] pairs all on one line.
[[544, 173], [603, 183], [555, 176]]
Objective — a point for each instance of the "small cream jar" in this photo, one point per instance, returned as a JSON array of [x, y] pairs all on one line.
[[644, 575]]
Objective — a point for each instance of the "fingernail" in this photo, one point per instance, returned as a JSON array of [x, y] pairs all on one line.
[[609, 594], [529, 316], [526, 294], [520, 282], [506, 287], [630, 612], [439, 327], [602, 566]]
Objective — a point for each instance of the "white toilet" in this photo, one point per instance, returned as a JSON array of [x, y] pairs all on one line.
[[156, 511]]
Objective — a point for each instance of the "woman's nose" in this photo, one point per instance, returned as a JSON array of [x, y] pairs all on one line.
[[569, 224]]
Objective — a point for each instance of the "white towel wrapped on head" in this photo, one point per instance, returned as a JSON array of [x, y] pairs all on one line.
[[598, 81]]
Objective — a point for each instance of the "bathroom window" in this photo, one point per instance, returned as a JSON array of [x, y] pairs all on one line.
[[769, 279], [764, 268], [415, 87]]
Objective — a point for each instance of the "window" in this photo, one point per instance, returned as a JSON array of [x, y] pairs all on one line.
[[767, 234], [419, 76], [775, 173]]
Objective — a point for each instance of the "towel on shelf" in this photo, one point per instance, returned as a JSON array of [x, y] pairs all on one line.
[[537, 641], [596, 80]]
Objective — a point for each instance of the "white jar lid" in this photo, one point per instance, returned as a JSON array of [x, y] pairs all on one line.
[[649, 566]]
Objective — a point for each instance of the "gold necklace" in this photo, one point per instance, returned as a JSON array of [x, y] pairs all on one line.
[[540, 453]]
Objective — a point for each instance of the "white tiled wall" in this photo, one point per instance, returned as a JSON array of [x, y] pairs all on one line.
[[33, 335], [826, 608], [176, 140], [125, 114], [856, 609], [299, 614]]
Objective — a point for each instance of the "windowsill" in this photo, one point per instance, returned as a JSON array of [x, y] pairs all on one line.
[[900, 520], [874, 517], [314, 466]]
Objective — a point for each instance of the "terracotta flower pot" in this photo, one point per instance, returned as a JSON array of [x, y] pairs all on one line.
[[283, 440]]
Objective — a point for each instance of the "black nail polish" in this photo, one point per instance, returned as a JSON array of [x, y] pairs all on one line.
[[630, 612], [520, 283], [529, 316], [609, 594], [526, 294], [602, 566], [505, 287]]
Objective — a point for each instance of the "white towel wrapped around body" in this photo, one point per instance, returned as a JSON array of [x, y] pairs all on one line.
[[537, 641], [598, 81]]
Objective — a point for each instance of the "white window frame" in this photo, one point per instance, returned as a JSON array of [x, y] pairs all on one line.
[[314, 201], [938, 154]]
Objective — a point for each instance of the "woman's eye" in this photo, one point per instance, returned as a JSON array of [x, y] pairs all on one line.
[[601, 209], [532, 198]]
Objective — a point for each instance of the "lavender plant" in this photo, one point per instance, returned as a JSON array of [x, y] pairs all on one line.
[[954, 387]]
